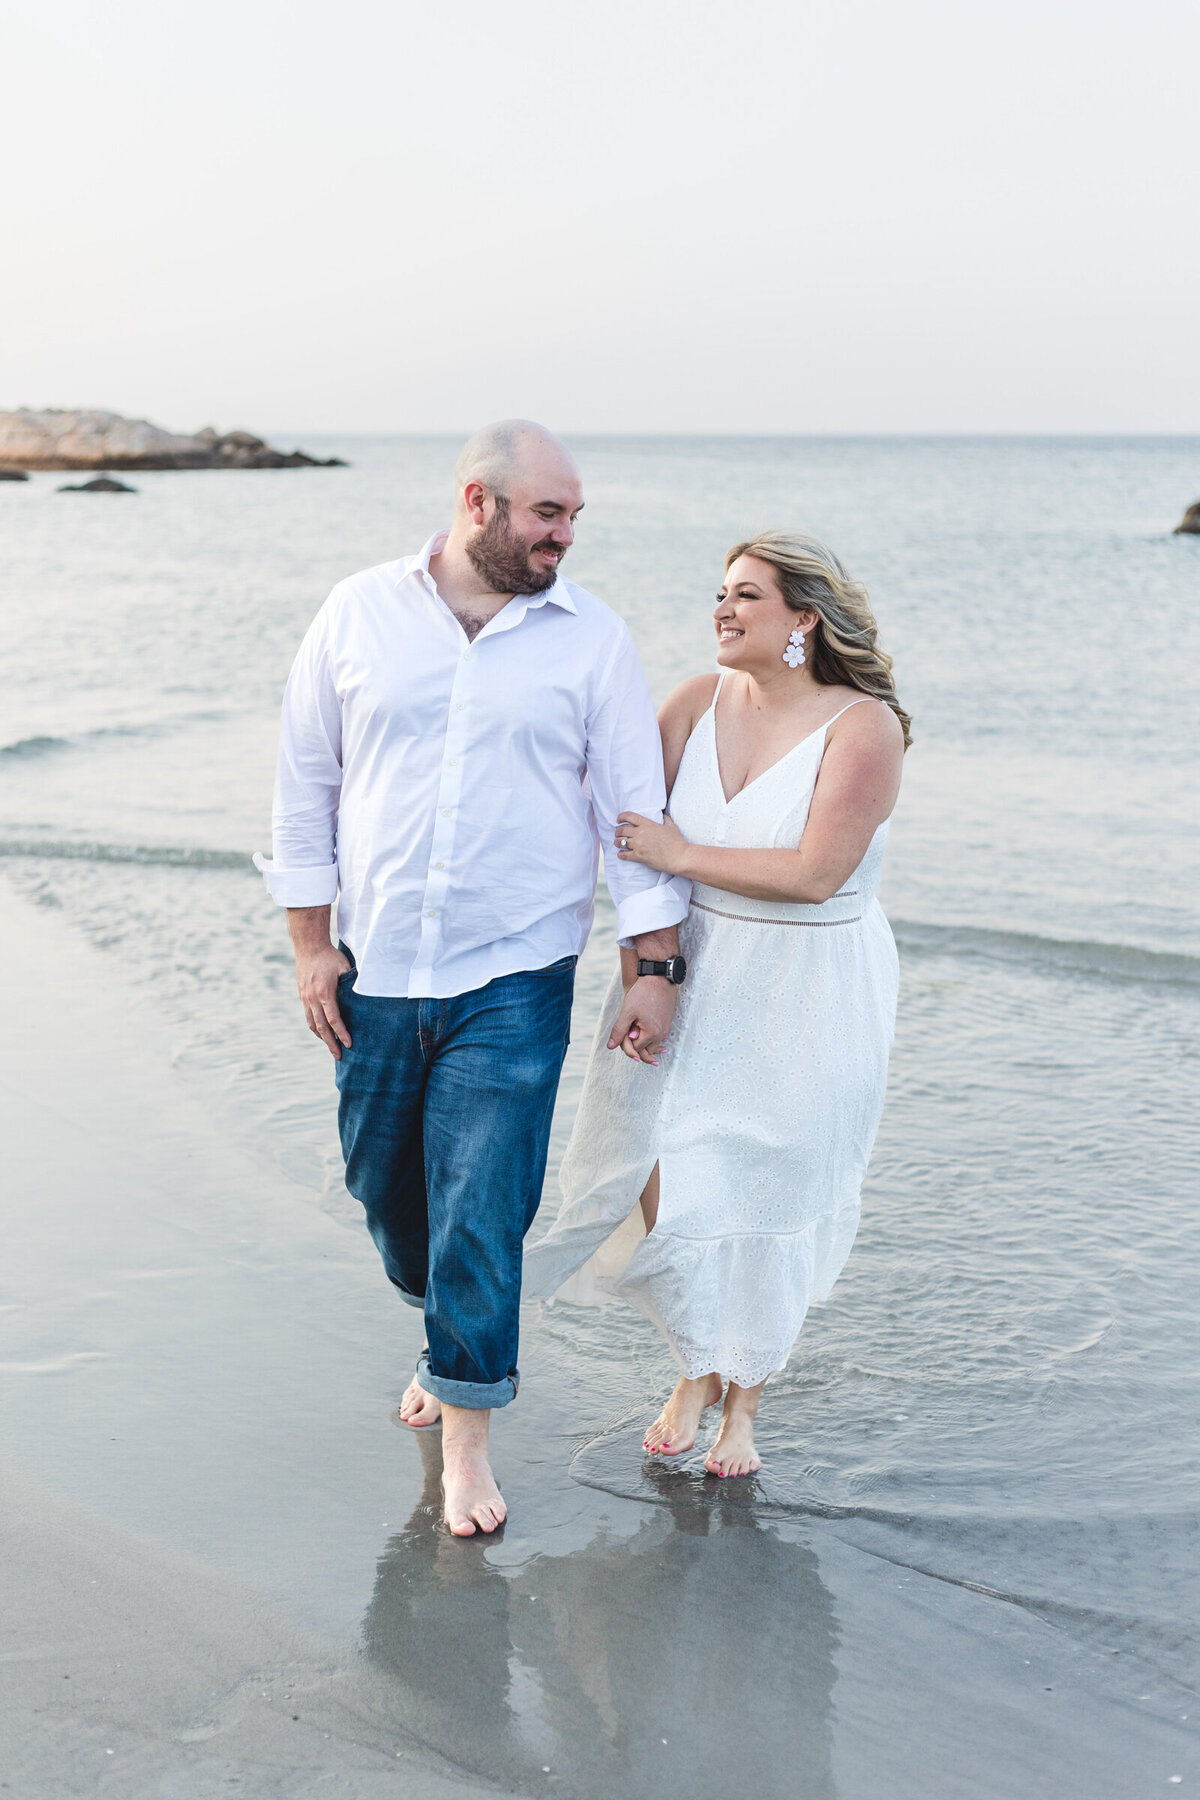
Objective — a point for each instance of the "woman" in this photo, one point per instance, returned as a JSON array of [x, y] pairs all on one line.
[[747, 1146]]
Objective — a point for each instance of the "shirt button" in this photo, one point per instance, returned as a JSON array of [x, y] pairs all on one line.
[[460, 706], [452, 763], [445, 812], [432, 913], [439, 865]]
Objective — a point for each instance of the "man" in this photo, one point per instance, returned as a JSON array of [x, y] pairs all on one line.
[[458, 728]]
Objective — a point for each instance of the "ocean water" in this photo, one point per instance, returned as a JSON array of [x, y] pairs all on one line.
[[1003, 1390]]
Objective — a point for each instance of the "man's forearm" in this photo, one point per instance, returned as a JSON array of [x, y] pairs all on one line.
[[308, 927], [657, 946]]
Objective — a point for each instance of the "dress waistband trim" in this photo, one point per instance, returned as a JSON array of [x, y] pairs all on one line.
[[762, 919]]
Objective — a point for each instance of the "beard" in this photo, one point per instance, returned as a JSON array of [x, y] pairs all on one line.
[[502, 560]]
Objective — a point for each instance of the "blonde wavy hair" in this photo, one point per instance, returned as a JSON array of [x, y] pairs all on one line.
[[843, 647]]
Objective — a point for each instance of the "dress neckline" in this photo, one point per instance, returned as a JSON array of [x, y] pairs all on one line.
[[728, 801]]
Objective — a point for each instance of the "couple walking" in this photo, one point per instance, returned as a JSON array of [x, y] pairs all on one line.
[[459, 728]]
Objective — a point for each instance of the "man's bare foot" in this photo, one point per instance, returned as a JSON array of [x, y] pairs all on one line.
[[733, 1453], [674, 1430], [473, 1501], [417, 1407], [472, 1497]]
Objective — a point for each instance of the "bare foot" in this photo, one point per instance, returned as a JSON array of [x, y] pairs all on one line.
[[734, 1452], [674, 1430], [473, 1501], [472, 1497], [417, 1407]]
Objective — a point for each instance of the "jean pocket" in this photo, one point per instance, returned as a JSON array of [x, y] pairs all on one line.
[[563, 966]]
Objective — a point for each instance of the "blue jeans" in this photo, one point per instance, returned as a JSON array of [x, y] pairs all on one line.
[[444, 1110]]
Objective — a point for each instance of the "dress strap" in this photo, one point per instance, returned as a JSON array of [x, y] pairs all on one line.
[[845, 709]]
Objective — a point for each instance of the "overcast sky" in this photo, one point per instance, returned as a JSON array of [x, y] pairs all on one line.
[[628, 215]]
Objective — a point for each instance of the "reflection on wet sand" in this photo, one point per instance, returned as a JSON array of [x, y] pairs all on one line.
[[695, 1657]]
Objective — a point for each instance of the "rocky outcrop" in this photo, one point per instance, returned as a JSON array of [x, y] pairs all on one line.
[[242, 450], [103, 484], [104, 440], [1190, 521], [13, 475]]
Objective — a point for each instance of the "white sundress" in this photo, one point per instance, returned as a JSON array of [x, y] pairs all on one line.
[[762, 1113]]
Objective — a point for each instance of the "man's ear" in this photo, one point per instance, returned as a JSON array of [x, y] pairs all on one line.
[[474, 495]]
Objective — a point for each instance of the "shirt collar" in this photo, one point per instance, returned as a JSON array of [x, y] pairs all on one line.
[[558, 595]]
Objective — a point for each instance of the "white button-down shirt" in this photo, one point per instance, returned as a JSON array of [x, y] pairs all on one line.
[[449, 793]]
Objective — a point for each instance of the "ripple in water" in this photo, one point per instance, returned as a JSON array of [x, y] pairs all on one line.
[[1002, 1389]]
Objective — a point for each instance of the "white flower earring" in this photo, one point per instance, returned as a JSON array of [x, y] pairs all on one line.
[[793, 656]]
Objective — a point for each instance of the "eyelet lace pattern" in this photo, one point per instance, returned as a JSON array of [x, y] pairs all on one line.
[[761, 1116]]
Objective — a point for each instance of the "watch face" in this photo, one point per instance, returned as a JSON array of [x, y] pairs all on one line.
[[678, 969]]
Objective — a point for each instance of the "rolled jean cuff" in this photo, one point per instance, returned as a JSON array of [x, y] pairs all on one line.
[[478, 1395]]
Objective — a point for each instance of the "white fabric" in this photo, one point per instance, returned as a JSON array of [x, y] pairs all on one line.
[[450, 793], [761, 1115]]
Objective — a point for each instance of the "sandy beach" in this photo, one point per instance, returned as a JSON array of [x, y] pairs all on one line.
[[228, 1570], [918, 283]]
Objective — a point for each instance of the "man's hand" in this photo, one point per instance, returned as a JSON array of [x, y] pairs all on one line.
[[318, 965], [644, 1019]]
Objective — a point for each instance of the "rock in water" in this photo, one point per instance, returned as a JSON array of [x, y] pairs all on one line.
[[1190, 521], [13, 475], [104, 440], [103, 484]]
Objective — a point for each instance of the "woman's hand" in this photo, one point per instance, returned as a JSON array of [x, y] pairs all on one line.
[[657, 846]]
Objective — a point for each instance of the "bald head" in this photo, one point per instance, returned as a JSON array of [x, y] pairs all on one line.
[[504, 455]]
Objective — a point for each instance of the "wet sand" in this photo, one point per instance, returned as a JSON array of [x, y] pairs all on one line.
[[229, 1572]]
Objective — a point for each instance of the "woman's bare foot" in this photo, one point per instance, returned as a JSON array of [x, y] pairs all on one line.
[[473, 1501], [417, 1407], [733, 1453], [674, 1430]]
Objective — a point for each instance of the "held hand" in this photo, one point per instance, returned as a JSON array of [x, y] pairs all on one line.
[[644, 1019], [657, 846], [317, 974]]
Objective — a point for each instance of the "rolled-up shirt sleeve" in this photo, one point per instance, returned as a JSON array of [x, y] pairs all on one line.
[[308, 783], [625, 774]]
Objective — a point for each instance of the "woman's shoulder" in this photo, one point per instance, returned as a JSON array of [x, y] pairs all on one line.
[[687, 703], [864, 720], [865, 711]]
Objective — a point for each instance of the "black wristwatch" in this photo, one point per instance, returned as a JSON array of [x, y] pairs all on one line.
[[675, 968]]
